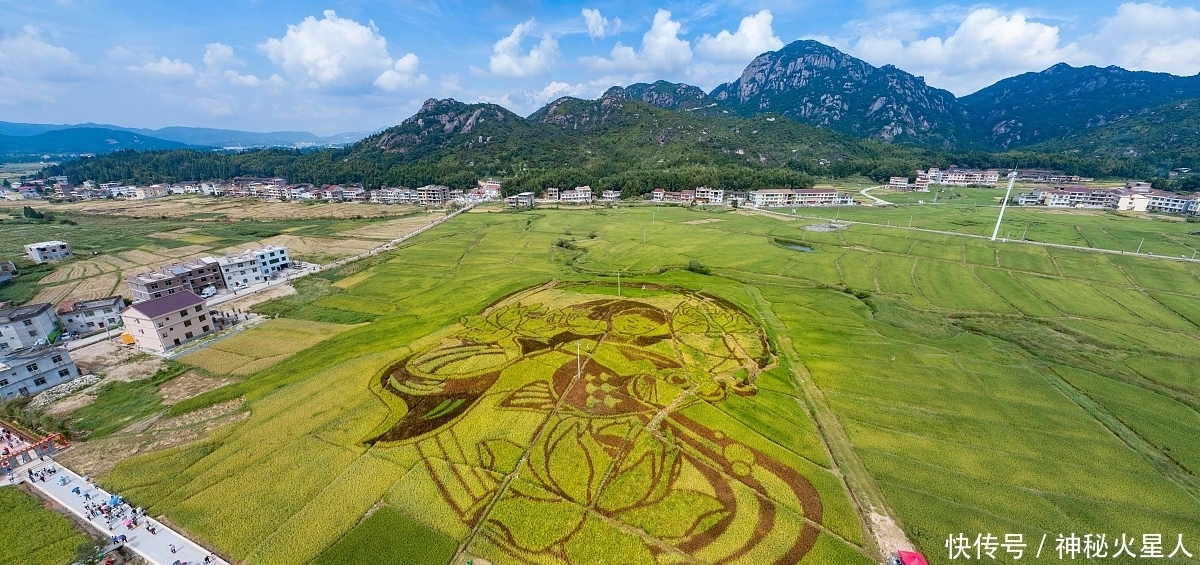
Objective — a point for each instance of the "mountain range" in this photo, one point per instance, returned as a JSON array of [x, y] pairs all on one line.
[[805, 108], [32, 140]]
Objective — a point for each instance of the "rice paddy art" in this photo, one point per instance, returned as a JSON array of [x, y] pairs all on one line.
[[561, 420]]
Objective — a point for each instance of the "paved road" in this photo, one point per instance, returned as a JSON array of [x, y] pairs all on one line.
[[154, 548], [867, 192]]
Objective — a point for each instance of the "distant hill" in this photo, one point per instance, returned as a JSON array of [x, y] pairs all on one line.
[[668, 95], [1167, 135], [205, 137], [1065, 101], [74, 141]]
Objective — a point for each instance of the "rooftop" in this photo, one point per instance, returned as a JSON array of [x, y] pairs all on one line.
[[68, 307], [170, 303], [27, 354], [23, 312]]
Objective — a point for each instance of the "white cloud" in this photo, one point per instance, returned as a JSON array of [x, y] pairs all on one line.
[[403, 74], [218, 56], [170, 68], [507, 59], [986, 46], [662, 50], [1150, 37], [554, 91], [449, 83], [28, 56], [340, 53], [499, 100], [598, 26], [753, 37]]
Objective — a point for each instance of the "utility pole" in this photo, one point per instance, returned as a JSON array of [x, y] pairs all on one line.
[[910, 222], [578, 362], [1139, 249], [618, 284], [1012, 178], [1024, 232], [643, 235]]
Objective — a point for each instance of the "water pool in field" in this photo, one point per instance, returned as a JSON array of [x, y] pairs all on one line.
[[794, 246]]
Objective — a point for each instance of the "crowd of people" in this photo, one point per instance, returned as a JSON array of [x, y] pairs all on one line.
[[118, 516]]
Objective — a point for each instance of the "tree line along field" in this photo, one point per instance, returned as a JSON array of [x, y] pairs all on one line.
[[953, 384]]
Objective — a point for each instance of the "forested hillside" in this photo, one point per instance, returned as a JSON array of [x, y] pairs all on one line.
[[1167, 136], [611, 143]]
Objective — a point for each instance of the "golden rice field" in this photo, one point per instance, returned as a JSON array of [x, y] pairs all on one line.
[[508, 401]]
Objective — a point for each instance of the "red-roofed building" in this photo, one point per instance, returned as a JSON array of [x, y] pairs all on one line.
[[163, 323]]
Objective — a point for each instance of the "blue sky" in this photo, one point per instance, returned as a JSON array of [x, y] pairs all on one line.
[[352, 65]]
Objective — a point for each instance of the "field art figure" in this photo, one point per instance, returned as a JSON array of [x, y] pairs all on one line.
[[533, 455]]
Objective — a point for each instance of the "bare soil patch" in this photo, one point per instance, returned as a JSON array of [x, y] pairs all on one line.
[[113, 362], [249, 300], [188, 385], [701, 221], [100, 456]]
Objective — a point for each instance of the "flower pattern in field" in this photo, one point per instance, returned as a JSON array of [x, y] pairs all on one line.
[[561, 425]]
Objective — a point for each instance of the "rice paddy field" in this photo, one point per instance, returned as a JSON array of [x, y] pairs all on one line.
[[56, 541], [113, 240], [817, 397]]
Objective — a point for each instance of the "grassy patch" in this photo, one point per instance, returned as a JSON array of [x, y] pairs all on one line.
[[119, 404]]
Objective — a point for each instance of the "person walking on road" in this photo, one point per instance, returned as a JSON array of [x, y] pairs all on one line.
[[172, 547]]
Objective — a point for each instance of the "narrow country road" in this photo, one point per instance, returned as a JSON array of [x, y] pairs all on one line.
[[867, 192]]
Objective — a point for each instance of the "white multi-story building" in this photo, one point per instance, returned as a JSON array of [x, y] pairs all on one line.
[[705, 195], [48, 251], [395, 196], [958, 177], [30, 370], [785, 197], [577, 195], [898, 183], [253, 265], [610, 196], [88, 316], [522, 200], [26, 326], [433, 195]]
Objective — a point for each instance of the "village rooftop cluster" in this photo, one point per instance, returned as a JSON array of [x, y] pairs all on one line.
[[275, 188]]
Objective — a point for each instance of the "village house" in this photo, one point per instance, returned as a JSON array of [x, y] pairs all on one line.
[[253, 265], [89, 316], [196, 276], [705, 195], [26, 326], [48, 251], [30, 370], [434, 195], [522, 200], [577, 195], [785, 197], [164, 323]]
